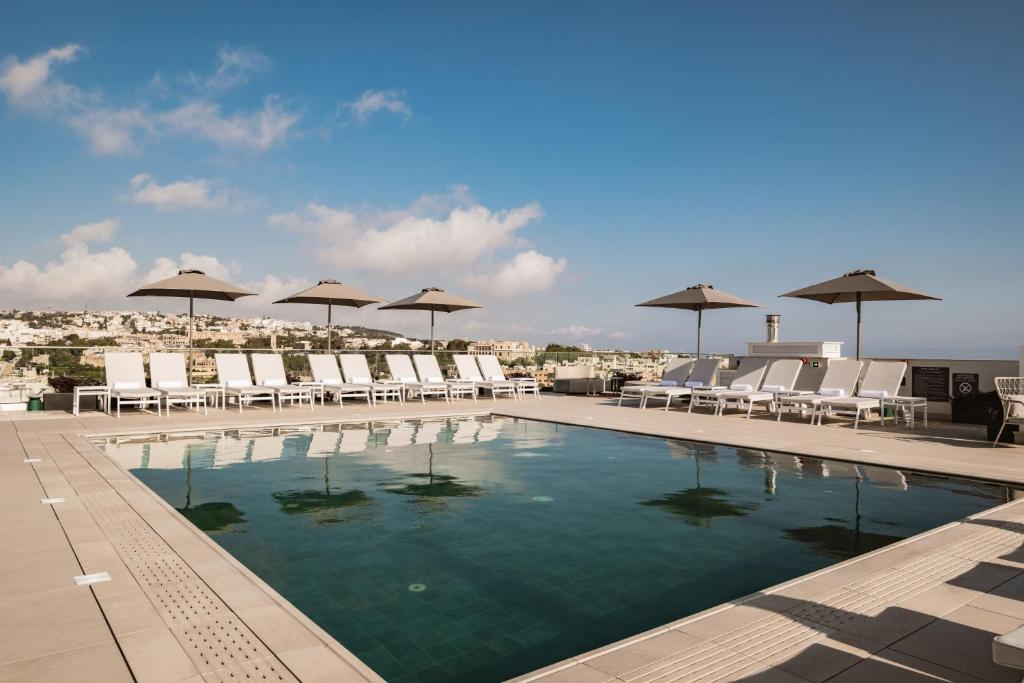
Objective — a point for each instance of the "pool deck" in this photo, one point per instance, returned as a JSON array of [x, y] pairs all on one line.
[[177, 608]]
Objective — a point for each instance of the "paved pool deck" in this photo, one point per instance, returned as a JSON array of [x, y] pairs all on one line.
[[178, 608]]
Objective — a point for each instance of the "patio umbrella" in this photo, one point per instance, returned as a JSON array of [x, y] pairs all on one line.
[[194, 284], [700, 298], [855, 287], [332, 293], [434, 300]]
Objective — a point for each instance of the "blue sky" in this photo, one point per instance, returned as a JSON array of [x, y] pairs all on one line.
[[558, 162]]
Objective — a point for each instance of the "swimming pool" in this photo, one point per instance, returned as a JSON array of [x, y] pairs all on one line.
[[483, 548]]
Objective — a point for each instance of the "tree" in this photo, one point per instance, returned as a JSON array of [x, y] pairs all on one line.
[[458, 345]]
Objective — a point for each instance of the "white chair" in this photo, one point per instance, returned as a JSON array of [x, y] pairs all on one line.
[[357, 371], [126, 377], [840, 380], [429, 372], [402, 372], [749, 374], [233, 373], [676, 372], [702, 374], [779, 380], [169, 377], [490, 368], [1011, 394], [269, 371], [327, 376], [469, 371], [881, 381]]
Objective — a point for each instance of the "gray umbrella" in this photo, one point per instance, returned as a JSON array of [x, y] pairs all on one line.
[[858, 286], [332, 293], [434, 300], [700, 298], [194, 284]]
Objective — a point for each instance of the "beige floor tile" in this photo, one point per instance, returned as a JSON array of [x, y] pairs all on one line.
[[820, 659], [1007, 598], [643, 652], [101, 663], [322, 665], [47, 623], [577, 673], [44, 570], [279, 630], [155, 656], [130, 612], [962, 641], [889, 666]]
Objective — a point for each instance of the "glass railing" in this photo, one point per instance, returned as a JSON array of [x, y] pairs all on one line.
[[31, 370]]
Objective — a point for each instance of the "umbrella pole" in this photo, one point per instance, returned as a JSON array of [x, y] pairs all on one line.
[[700, 315], [191, 301], [329, 326], [431, 331], [859, 295]]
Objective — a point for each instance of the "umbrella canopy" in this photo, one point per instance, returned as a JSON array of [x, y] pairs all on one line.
[[193, 284], [700, 298], [434, 300], [331, 293], [858, 286]]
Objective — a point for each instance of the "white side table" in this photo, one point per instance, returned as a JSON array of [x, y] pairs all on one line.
[[102, 393], [908, 405], [218, 392]]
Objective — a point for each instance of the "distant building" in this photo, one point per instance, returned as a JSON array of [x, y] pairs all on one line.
[[503, 349]]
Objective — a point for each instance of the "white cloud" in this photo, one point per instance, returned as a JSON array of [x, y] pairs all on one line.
[[236, 65], [436, 232], [101, 231], [259, 130], [273, 288], [165, 267], [373, 101], [30, 84], [178, 195], [527, 271], [112, 131], [577, 331], [78, 275]]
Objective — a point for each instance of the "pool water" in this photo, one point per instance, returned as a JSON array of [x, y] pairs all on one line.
[[480, 549]]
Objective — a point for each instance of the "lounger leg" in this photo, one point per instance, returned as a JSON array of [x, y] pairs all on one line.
[[856, 419], [999, 434], [750, 407]]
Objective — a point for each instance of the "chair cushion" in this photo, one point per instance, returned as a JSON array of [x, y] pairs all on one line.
[[737, 386], [171, 384], [693, 384], [122, 386], [275, 382], [668, 383], [830, 391], [239, 383], [872, 393]]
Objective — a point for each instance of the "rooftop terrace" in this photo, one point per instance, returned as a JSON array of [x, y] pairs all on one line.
[[178, 608]]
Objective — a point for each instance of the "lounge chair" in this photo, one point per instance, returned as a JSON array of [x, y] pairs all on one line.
[[839, 381], [881, 381], [357, 371], [490, 368], [126, 377], [676, 372], [233, 373], [779, 380], [469, 371], [429, 372], [168, 375], [327, 377], [400, 367], [1011, 394], [269, 371], [702, 374], [749, 374]]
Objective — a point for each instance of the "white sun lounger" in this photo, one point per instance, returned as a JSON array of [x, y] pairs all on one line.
[[269, 371], [233, 373], [429, 372], [402, 372], [779, 380], [357, 371], [676, 372], [839, 380], [469, 371], [327, 377], [702, 374], [168, 375], [490, 368], [126, 377], [750, 372], [881, 380]]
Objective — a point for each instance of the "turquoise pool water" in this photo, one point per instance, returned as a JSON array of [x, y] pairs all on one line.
[[479, 549]]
